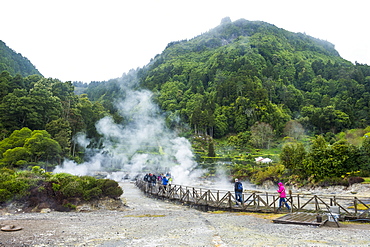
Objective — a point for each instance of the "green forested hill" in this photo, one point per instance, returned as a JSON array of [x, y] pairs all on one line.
[[251, 82], [247, 86], [15, 63], [243, 72]]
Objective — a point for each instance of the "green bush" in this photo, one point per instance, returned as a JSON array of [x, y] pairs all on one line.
[[110, 188], [72, 189], [55, 186], [242, 171], [113, 192], [88, 182], [6, 174], [94, 193], [271, 173], [17, 187], [70, 206], [37, 182], [5, 195], [61, 177]]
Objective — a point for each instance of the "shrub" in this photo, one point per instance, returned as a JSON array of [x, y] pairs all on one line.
[[5, 195], [62, 177], [70, 206], [272, 173], [17, 187], [94, 193], [110, 188], [72, 189], [6, 174], [331, 181], [355, 180], [88, 182], [55, 186]]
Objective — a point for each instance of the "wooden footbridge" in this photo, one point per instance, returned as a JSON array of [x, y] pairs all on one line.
[[254, 201]]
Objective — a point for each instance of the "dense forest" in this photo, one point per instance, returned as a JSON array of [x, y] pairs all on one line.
[[224, 81], [15, 63], [39, 119], [248, 85]]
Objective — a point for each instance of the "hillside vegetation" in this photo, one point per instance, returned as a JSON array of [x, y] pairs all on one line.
[[241, 90], [253, 84], [15, 63]]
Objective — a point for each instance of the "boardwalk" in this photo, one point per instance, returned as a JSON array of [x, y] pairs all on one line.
[[208, 199], [152, 222]]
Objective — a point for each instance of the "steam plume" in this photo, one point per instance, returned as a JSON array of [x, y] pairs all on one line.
[[142, 144]]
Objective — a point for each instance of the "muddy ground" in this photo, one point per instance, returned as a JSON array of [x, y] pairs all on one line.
[[150, 222]]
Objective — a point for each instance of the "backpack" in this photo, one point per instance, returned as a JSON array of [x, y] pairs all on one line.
[[240, 186]]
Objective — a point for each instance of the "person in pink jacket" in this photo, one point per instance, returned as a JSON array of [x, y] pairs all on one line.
[[282, 193]]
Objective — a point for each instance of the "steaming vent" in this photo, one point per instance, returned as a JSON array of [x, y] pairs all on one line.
[[141, 144]]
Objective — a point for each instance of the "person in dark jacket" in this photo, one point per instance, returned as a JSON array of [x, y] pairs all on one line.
[[238, 188]]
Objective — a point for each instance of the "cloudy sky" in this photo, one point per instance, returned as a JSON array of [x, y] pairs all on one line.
[[88, 40]]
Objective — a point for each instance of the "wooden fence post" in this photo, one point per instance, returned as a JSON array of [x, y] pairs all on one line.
[[316, 203]]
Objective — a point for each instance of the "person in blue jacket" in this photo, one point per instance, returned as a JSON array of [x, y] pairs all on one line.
[[238, 188], [164, 182]]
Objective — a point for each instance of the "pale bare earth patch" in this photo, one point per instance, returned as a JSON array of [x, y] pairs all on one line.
[[149, 222]]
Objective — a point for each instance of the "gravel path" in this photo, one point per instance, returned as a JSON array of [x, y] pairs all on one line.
[[150, 222]]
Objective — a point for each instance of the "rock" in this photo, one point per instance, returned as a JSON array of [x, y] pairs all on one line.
[[45, 210], [83, 208]]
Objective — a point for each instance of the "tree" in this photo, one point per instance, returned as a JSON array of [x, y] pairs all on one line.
[[43, 105], [221, 122], [16, 139], [211, 148], [316, 158], [89, 113], [292, 156], [335, 160], [60, 130], [15, 157], [294, 129], [13, 110], [42, 147], [261, 135], [171, 95], [326, 119], [365, 154]]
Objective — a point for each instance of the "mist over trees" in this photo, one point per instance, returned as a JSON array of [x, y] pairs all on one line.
[[39, 118], [254, 83], [248, 82]]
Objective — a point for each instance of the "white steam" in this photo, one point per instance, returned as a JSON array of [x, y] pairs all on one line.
[[141, 144]]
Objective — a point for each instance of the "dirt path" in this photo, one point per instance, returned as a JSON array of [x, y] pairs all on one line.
[[149, 222]]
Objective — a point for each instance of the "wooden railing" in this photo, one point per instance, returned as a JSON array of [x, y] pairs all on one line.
[[254, 201]]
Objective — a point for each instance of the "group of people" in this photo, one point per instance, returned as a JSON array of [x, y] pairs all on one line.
[[162, 179], [238, 189]]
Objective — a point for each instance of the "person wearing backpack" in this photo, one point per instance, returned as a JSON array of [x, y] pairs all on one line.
[[238, 188]]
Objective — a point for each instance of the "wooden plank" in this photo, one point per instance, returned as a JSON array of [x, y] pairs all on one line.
[[300, 219]]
